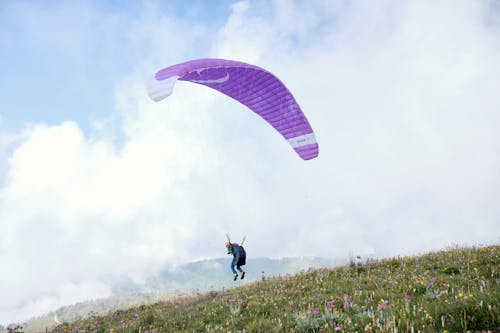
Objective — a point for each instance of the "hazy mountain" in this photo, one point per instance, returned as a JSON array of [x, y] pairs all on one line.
[[216, 274]]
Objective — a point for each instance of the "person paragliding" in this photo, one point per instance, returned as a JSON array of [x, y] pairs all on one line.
[[239, 257]]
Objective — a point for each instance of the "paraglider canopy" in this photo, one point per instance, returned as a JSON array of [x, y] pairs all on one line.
[[254, 87]]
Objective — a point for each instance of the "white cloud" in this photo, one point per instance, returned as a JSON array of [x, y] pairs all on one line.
[[404, 104], [68, 293]]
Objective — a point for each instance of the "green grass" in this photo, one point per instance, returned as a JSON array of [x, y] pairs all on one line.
[[457, 290]]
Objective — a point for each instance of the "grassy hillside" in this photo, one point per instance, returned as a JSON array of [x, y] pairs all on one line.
[[82, 309], [199, 276], [448, 291]]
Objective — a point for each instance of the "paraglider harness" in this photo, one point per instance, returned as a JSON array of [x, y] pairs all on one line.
[[238, 252]]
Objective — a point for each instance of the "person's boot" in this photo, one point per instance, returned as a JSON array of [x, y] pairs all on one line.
[[235, 277], [242, 275]]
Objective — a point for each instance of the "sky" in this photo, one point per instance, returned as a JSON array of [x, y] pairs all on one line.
[[98, 182]]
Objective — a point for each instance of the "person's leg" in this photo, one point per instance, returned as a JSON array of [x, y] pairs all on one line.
[[241, 271], [232, 269]]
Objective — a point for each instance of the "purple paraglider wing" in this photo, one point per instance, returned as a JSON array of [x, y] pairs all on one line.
[[254, 87]]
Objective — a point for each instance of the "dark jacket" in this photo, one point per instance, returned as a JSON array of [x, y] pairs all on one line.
[[239, 255]]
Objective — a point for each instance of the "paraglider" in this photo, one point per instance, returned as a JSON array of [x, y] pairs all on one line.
[[254, 87], [239, 257]]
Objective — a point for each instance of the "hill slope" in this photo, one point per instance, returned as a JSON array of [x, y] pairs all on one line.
[[453, 291], [199, 276]]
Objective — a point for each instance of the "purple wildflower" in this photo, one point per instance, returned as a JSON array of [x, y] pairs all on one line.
[[347, 301], [383, 305], [314, 310], [330, 305], [430, 283]]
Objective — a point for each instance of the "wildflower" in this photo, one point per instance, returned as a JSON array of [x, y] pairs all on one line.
[[313, 310], [330, 305], [347, 298], [408, 298], [337, 329], [431, 283], [383, 305]]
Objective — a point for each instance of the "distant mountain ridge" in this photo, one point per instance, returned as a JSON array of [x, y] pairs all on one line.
[[202, 276]]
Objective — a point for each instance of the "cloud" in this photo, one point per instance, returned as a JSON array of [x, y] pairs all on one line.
[[403, 103], [403, 99], [68, 293]]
